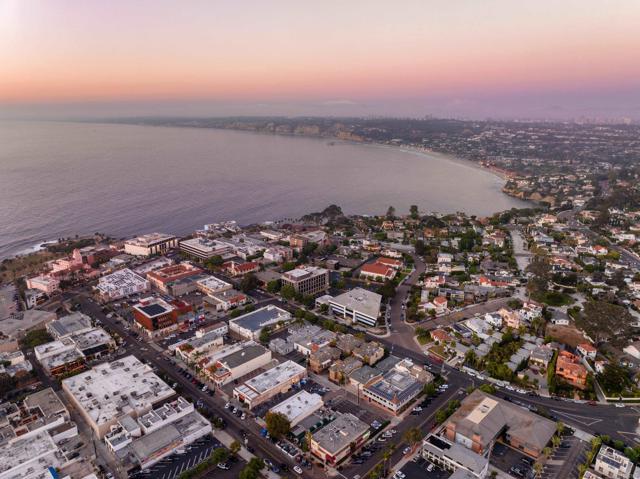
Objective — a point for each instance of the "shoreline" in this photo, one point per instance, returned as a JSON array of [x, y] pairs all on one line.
[[40, 245]]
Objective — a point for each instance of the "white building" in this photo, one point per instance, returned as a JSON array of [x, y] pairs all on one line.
[[121, 284], [493, 319], [110, 390], [250, 325], [613, 464], [238, 363], [276, 380], [359, 305], [299, 406], [152, 243], [204, 248], [211, 285]]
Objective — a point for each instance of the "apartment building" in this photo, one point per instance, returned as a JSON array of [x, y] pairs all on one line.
[[149, 244]]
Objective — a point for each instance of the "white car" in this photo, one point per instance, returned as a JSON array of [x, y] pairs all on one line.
[[227, 406], [406, 450], [297, 469], [430, 468], [619, 404]]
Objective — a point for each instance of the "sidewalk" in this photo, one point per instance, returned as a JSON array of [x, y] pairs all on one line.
[[226, 441]]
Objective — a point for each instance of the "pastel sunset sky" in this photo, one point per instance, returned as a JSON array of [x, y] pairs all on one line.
[[476, 58]]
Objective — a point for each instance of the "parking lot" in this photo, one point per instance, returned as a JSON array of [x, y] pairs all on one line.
[[419, 470], [344, 405], [172, 466], [512, 462], [564, 461]]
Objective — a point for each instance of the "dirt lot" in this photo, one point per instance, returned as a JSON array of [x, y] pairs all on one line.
[[565, 334]]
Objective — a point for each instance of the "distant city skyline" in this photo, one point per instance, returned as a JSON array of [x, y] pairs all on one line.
[[467, 59]]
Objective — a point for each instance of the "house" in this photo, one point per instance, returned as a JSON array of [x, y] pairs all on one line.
[[633, 350], [569, 368], [541, 356], [510, 318], [493, 319], [587, 350], [441, 336]]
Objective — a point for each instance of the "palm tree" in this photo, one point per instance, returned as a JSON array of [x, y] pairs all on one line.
[[547, 451], [560, 428], [413, 437], [556, 441], [537, 468]]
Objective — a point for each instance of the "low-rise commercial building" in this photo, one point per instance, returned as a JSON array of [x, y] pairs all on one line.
[[149, 244], [210, 285], [197, 346], [358, 305], [226, 300], [238, 363], [307, 280], [45, 283], [482, 419], [120, 284], [613, 464], [250, 325], [276, 380], [393, 392], [69, 325], [105, 393], [339, 439], [155, 316], [162, 278], [204, 248], [299, 406], [454, 457]]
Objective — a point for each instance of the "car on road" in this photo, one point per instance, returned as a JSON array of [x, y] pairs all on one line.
[[224, 466], [297, 469], [406, 450], [619, 405]]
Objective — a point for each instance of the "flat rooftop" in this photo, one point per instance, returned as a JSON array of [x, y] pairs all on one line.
[[153, 307], [204, 245], [298, 274], [360, 300], [120, 387], [120, 279], [212, 283], [256, 320], [30, 453], [70, 324], [149, 239], [339, 433], [247, 353], [299, 406], [271, 378], [396, 385]]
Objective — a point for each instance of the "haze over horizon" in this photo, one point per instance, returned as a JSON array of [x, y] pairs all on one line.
[[490, 59]]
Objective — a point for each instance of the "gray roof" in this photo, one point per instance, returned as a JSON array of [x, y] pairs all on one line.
[[339, 433], [365, 374], [441, 447], [487, 416], [396, 385], [242, 356], [256, 320]]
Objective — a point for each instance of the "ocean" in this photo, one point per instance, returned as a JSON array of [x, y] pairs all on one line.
[[60, 179]]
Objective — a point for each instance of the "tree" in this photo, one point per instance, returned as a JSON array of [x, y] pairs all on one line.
[[560, 428], [391, 213], [429, 389], [413, 436], [277, 424], [265, 334], [556, 441], [287, 292], [420, 248], [615, 379], [249, 282], [387, 290], [273, 286], [35, 337], [605, 322], [214, 262], [235, 447], [413, 210]]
